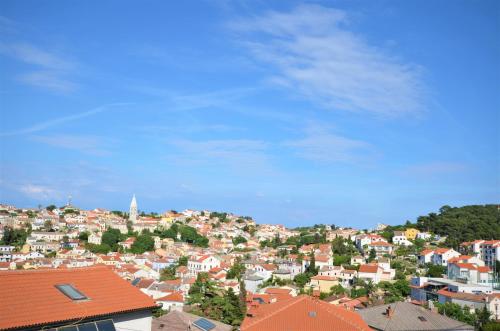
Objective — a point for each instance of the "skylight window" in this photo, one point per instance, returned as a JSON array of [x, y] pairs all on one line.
[[71, 292], [204, 324]]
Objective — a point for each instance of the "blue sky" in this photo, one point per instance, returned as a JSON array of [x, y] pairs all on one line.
[[343, 112]]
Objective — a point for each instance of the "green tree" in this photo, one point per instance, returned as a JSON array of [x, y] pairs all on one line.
[[168, 273], [455, 311], [83, 236], [143, 243], [372, 255], [236, 271], [111, 237], [302, 279], [434, 270], [312, 264], [183, 260], [239, 240], [98, 249], [50, 207], [14, 237]]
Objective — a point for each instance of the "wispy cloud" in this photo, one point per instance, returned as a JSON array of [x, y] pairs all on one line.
[[38, 192], [312, 50], [233, 152], [52, 71], [321, 145], [56, 121], [92, 145]]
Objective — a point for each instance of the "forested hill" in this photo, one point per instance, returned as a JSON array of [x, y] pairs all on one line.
[[463, 223]]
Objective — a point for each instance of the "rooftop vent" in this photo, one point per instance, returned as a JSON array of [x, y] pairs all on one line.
[[423, 319], [312, 314], [71, 292]]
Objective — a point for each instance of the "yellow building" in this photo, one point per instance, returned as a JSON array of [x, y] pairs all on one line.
[[323, 283], [411, 233]]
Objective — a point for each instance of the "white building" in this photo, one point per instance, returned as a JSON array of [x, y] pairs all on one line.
[[95, 238], [202, 264], [399, 238], [470, 273]]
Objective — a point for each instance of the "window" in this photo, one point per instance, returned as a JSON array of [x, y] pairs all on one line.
[[71, 292], [204, 324]]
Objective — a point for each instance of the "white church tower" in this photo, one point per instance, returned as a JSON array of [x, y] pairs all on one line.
[[133, 210]]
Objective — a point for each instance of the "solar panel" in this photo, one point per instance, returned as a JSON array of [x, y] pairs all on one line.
[[87, 327], [204, 324], [68, 328], [71, 292], [106, 325]]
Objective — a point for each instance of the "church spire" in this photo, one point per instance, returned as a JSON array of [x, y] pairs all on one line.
[[133, 210]]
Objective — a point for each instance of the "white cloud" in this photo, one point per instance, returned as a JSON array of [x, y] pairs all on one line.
[[321, 145], [313, 52], [37, 191], [48, 80], [86, 144], [56, 121], [234, 152], [51, 72]]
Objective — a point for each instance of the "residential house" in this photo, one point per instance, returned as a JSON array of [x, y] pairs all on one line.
[[400, 238], [182, 321], [63, 297], [172, 301], [411, 233], [302, 313], [202, 264], [405, 316], [323, 283], [470, 273]]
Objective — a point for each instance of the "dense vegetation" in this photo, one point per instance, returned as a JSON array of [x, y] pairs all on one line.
[[183, 233], [461, 224], [207, 299], [14, 237]]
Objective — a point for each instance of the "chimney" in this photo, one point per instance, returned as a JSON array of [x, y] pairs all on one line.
[[388, 312]]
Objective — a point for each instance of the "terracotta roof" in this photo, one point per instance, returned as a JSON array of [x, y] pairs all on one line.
[[107, 294], [462, 296], [318, 277], [369, 268], [174, 296], [303, 313], [484, 269], [426, 251]]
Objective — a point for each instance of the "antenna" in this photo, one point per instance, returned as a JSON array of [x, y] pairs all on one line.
[[69, 200]]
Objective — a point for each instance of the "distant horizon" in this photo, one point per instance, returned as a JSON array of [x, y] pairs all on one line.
[[258, 221], [296, 113]]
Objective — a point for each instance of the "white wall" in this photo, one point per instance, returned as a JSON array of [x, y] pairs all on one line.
[[138, 321]]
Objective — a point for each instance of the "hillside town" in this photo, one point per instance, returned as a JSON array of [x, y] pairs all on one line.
[[211, 270]]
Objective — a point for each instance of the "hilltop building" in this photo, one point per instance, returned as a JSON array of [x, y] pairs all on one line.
[[133, 210]]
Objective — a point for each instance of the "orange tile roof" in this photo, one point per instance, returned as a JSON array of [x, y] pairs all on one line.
[[174, 296], [369, 268], [318, 277], [107, 293], [303, 313]]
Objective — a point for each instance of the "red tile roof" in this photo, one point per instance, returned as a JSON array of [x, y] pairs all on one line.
[[174, 296], [35, 289], [369, 268], [303, 313]]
